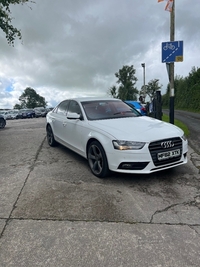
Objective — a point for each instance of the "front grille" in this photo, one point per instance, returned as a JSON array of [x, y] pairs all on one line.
[[155, 148]]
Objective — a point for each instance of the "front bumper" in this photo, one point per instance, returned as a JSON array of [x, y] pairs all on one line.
[[146, 160]]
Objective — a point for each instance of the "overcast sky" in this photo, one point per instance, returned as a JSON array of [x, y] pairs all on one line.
[[74, 47]]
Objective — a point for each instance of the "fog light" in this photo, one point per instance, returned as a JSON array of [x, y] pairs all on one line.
[[133, 165], [127, 166]]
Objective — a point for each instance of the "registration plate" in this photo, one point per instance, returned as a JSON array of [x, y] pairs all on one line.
[[168, 154]]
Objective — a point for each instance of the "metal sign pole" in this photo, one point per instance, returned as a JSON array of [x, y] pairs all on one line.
[[171, 66], [144, 85]]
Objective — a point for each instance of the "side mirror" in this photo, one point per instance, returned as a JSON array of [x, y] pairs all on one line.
[[73, 116]]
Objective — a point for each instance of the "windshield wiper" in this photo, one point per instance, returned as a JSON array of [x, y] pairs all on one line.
[[122, 112]]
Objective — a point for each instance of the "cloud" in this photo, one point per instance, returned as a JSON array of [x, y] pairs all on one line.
[[74, 48]]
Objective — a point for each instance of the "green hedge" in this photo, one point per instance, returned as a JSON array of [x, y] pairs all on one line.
[[187, 92]]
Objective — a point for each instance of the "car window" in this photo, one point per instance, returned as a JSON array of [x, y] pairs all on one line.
[[62, 108], [74, 107]]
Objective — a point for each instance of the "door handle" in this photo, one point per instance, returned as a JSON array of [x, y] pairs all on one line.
[[64, 123]]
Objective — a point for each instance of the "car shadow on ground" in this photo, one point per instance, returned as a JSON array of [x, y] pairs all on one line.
[[115, 177]]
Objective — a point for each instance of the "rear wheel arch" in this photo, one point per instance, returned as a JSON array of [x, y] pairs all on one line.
[[50, 136]]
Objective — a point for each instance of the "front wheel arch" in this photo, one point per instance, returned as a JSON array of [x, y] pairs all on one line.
[[97, 159]]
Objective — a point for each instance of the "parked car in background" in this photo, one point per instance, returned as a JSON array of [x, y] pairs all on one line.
[[113, 136], [19, 115], [40, 111], [26, 113], [49, 109], [138, 106], [11, 114], [2, 122], [6, 114], [14, 114], [2, 112]]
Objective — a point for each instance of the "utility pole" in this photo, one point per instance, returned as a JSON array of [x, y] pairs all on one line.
[[171, 65], [144, 86]]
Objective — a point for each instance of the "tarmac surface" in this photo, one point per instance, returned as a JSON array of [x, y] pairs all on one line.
[[54, 212]]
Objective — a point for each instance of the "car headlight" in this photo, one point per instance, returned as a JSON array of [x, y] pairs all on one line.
[[127, 145]]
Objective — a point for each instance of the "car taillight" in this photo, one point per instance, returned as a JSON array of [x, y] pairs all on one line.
[[143, 109]]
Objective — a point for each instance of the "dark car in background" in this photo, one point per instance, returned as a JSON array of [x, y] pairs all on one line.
[[2, 122], [26, 113], [137, 105]]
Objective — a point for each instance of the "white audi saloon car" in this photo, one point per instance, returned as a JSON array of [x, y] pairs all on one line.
[[113, 136]]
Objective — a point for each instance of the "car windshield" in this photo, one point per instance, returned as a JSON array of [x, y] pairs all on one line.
[[109, 109]]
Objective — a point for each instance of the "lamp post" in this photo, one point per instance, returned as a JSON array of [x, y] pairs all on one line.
[[143, 65]]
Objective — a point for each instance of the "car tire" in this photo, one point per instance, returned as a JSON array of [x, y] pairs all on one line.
[[50, 137], [97, 160], [2, 123]]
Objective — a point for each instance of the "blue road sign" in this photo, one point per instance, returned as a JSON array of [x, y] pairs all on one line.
[[172, 52]]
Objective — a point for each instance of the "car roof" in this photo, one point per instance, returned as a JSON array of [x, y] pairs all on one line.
[[81, 99], [136, 103], [132, 101]]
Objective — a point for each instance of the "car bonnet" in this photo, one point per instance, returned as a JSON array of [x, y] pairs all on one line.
[[141, 128]]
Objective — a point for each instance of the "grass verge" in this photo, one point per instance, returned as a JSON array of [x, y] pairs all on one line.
[[177, 123]]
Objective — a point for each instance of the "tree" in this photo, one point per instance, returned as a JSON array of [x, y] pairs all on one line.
[[17, 106], [151, 88], [30, 99], [113, 91], [6, 20], [126, 80]]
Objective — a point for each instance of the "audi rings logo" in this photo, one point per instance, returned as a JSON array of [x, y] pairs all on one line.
[[167, 144]]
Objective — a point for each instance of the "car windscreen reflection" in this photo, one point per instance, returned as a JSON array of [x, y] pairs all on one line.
[[101, 110]]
